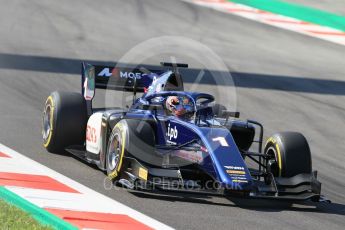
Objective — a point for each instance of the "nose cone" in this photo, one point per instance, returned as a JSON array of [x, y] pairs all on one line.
[[236, 178], [238, 185], [230, 167]]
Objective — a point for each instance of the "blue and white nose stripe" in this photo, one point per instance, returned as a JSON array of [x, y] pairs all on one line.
[[228, 161]]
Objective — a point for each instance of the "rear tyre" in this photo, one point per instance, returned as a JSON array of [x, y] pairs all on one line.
[[290, 154], [64, 121]]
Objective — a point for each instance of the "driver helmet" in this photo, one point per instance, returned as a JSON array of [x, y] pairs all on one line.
[[180, 106]]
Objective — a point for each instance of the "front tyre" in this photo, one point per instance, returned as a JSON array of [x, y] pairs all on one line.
[[116, 150], [132, 138], [290, 154]]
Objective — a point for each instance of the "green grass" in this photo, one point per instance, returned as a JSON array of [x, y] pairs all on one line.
[[12, 217]]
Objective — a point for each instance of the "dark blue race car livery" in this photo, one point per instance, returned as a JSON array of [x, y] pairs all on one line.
[[149, 146]]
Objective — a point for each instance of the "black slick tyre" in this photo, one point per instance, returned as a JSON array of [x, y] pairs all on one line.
[[291, 153], [64, 121]]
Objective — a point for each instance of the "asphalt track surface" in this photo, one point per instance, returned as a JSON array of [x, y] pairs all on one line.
[[286, 80]]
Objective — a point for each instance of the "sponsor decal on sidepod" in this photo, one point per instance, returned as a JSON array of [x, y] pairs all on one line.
[[172, 133]]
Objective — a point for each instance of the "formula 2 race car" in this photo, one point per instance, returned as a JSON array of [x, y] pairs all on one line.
[[170, 139]]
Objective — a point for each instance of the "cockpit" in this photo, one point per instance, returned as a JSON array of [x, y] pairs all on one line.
[[188, 106]]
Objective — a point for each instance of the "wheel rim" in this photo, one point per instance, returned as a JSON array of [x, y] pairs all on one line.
[[271, 151], [46, 122], [114, 152]]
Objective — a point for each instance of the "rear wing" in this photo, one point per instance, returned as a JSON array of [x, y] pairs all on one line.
[[114, 78], [127, 79]]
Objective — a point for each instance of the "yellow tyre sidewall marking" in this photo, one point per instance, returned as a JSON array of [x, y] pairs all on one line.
[[114, 174], [279, 160], [50, 99], [271, 139]]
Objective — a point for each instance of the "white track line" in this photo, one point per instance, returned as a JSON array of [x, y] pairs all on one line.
[[87, 200]]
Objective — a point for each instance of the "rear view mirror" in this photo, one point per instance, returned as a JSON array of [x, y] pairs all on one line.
[[88, 76], [228, 114]]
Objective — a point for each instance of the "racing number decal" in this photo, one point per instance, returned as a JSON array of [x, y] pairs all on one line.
[[221, 141], [91, 134]]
